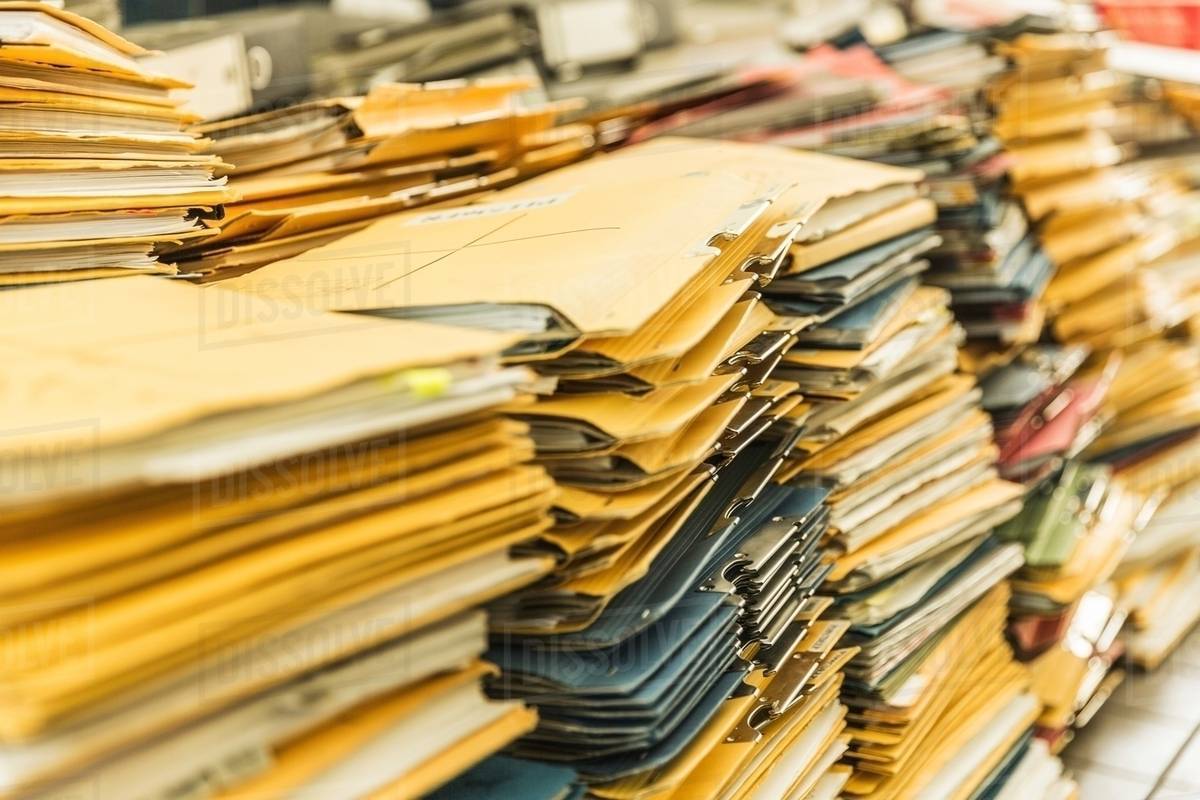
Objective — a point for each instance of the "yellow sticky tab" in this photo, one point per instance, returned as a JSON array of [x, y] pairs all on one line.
[[429, 382]]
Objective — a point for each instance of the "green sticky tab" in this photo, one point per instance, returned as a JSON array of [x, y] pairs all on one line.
[[427, 383]]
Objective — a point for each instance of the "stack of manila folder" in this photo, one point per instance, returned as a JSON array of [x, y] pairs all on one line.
[[101, 173]]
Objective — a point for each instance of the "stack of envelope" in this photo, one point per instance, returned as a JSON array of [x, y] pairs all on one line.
[[900, 441], [100, 173], [1075, 528], [246, 550], [679, 555], [311, 173]]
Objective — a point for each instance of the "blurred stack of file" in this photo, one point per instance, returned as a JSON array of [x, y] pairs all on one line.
[[1151, 442], [1052, 109], [903, 446], [990, 259], [1122, 236], [1162, 599], [635, 283], [99, 171], [961, 61], [309, 174], [1046, 408], [1075, 528], [245, 551]]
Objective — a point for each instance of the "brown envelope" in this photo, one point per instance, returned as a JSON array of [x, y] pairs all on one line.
[[1059, 157], [32, 98], [302, 761], [945, 392], [1075, 282], [461, 757], [1078, 194], [75, 275], [1098, 233], [581, 538], [56, 573], [745, 320], [663, 339], [58, 690]]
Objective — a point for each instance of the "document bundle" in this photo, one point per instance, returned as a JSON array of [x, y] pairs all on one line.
[[311, 173], [899, 440], [634, 284], [100, 174], [1069, 268], [254, 567]]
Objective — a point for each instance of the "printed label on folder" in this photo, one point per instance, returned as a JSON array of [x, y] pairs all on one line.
[[489, 209]]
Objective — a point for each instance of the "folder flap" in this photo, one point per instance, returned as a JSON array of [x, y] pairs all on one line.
[[688, 330], [389, 108], [841, 213], [595, 504], [889, 224]]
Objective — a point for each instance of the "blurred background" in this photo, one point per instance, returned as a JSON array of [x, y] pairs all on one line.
[[243, 54]]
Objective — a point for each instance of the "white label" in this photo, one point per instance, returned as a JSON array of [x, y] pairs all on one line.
[[489, 209]]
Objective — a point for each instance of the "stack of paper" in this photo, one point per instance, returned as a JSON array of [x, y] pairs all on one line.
[[679, 555], [901, 442], [1075, 529], [245, 549], [309, 174], [99, 171]]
